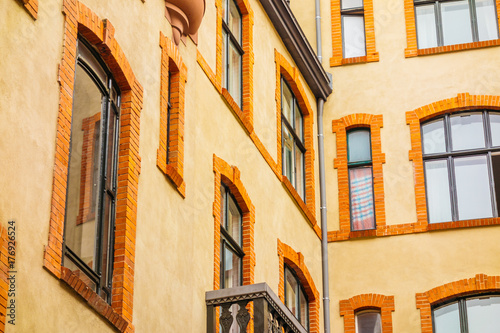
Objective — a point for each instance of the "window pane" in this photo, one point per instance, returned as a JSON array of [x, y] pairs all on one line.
[[112, 124], [286, 103], [473, 188], [87, 57], [495, 129], [299, 172], [234, 220], [495, 163], [358, 144], [224, 59], [234, 21], [106, 254], [348, 4], [446, 319], [433, 137], [291, 289], [426, 26], [368, 322], [438, 191], [232, 268], [456, 22], [361, 191], [467, 131], [486, 20], [304, 309], [483, 315], [353, 31], [288, 158], [298, 122], [234, 83]]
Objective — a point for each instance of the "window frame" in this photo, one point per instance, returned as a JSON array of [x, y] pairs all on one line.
[[356, 165], [449, 155], [300, 143], [229, 39], [108, 105], [297, 301]]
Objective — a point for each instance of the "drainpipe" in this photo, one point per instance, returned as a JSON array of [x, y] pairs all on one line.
[[321, 156]]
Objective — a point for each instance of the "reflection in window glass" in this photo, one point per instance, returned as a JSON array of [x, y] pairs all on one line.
[[232, 269], [368, 322], [426, 26], [358, 143], [353, 31], [486, 20], [438, 191], [295, 298], [447, 319], [456, 22], [483, 315], [433, 137], [348, 4], [495, 129], [234, 75], [467, 131]]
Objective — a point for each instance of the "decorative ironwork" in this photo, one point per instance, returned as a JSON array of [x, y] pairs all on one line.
[[243, 316], [226, 318]]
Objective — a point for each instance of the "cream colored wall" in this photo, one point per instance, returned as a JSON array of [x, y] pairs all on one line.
[[174, 242]]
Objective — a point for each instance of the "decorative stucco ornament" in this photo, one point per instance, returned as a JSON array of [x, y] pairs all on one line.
[[185, 17]]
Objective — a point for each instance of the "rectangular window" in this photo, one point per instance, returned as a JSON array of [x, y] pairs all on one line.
[[359, 162], [232, 55], [292, 139], [450, 22], [295, 298], [353, 28]]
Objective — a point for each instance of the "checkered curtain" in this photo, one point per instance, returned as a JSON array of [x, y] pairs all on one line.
[[362, 211]]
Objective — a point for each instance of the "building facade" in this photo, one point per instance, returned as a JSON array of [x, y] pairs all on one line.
[[162, 166]]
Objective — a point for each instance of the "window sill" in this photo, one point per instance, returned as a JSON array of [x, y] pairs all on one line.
[[240, 114], [94, 300], [451, 48], [339, 61], [298, 200]]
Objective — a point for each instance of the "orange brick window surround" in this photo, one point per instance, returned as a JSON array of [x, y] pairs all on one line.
[[295, 260], [81, 20], [291, 75], [337, 58], [172, 90], [245, 113], [481, 283], [340, 128], [411, 36], [349, 307], [4, 269]]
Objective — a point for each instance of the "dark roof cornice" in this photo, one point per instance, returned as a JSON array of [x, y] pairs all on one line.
[[297, 44]]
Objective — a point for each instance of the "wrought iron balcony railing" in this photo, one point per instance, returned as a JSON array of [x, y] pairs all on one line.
[[270, 314]]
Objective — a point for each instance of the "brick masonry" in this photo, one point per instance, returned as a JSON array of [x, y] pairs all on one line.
[[31, 7], [349, 307], [4, 283], [81, 20]]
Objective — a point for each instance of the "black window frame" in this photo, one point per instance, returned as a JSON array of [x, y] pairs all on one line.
[[449, 155], [462, 308], [356, 165], [354, 12], [230, 39], [226, 239], [111, 103], [439, 23], [301, 287], [297, 140]]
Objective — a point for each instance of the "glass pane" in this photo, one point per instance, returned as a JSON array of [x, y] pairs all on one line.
[[348, 4], [299, 172], [361, 191], [446, 319], [304, 309], [234, 87], [234, 21], [486, 20], [286, 102], [473, 188], [288, 158], [224, 10], [291, 289], [437, 188], [83, 178], [467, 131], [223, 194], [232, 269], [112, 123], [368, 322], [426, 26], [495, 163], [495, 129], [224, 59], [87, 57], [298, 122], [456, 22], [353, 31], [106, 241], [433, 137], [483, 315], [358, 145], [234, 220]]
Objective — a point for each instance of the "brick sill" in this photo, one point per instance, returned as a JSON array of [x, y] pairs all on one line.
[[451, 48], [94, 300], [240, 114], [339, 61]]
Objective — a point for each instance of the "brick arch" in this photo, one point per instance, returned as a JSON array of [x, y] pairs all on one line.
[[349, 307], [295, 260], [461, 102], [340, 128], [100, 33], [481, 283]]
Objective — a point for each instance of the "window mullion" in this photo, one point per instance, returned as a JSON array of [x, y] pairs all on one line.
[[473, 20], [439, 23], [462, 310], [453, 189]]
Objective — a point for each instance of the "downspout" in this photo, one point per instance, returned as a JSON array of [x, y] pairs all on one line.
[[321, 156]]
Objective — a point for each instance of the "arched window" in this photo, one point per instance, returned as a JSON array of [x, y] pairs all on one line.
[[368, 321], [461, 153], [296, 298], [91, 187]]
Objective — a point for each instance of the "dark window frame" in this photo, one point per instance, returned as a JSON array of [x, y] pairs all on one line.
[[353, 12], [110, 103], [226, 239], [450, 155], [356, 165], [297, 141], [230, 39], [297, 301], [439, 23]]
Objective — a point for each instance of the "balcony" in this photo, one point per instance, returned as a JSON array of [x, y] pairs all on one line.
[[270, 314]]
